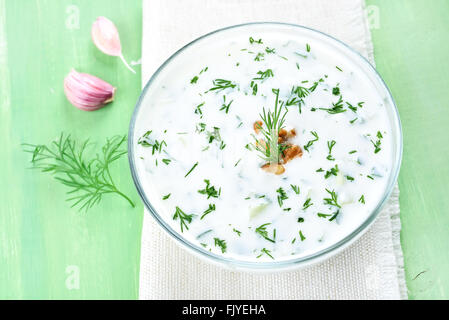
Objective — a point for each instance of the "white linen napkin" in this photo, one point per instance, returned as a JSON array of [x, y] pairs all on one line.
[[372, 268]]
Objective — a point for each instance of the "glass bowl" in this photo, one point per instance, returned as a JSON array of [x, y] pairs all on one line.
[[283, 28]]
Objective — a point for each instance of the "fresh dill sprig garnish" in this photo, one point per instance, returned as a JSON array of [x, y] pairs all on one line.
[[330, 146], [262, 230], [209, 190], [222, 84], [301, 236], [311, 142], [183, 218], [307, 47], [253, 86], [333, 200], [270, 50], [282, 195], [265, 251], [208, 210], [273, 122], [308, 203], [221, 244], [349, 178], [88, 179]]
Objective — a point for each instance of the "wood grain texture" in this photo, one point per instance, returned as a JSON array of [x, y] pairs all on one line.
[[41, 238], [411, 51]]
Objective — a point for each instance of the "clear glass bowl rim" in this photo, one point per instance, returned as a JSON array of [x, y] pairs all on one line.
[[275, 265]]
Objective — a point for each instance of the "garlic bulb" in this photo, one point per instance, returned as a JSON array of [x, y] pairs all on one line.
[[106, 37], [87, 92]]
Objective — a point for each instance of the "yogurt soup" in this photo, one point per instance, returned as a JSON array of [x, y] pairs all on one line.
[[263, 146]]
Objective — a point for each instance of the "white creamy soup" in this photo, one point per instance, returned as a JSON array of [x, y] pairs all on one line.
[[204, 162]]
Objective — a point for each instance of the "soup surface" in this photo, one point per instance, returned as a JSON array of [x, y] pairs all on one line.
[[263, 146]]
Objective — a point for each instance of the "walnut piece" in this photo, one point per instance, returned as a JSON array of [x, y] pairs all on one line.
[[277, 169]]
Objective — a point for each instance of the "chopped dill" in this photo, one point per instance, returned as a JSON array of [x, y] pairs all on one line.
[[265, 251], [239, 233], [157, 146], [295, 188], [336, 107], [225, 107], [166, 196], [332, 172], [262, 230], [208, 210], [209, 190], [88, 179], [183, 218], [252, 40], [222, 84], [311, 142], [282, 195], [221, 244], [362, 199], [273, 121], [333, 200], [330, 146], [190, 171], [308, 203]]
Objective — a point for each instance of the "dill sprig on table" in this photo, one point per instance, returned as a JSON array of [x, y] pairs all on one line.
[[273, 122], [88, 179]]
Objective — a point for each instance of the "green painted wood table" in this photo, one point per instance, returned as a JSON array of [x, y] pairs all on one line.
[[44, 244]]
